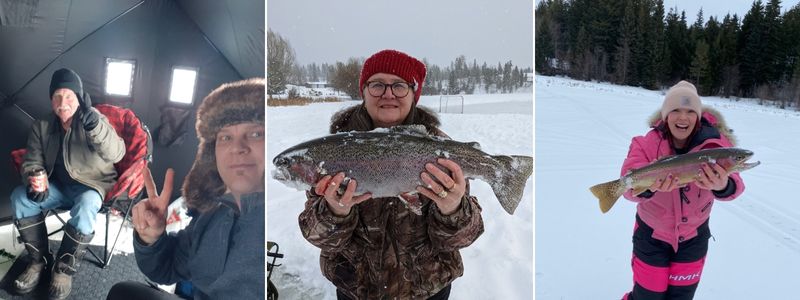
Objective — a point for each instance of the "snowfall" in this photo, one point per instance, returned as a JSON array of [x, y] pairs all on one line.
[[583, 130], [499, 265]]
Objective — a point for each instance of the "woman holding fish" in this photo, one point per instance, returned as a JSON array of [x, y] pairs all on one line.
[[380, 248], [671, 233]]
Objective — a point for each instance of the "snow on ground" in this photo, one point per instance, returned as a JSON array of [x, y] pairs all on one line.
[[583, 133], [304, 91], [124, 244], [499, 265]]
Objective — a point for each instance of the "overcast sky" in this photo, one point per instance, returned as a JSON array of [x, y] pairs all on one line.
[[439, 30]]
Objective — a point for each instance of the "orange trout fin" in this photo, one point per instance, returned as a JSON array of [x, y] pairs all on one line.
[[608, 193]]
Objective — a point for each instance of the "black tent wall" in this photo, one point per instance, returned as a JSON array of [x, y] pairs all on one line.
[[79, 35]]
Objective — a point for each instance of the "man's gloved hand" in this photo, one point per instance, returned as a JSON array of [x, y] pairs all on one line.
[[89, 117], [38, 196]]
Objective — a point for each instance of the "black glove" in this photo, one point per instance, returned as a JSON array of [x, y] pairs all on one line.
[[88, 115], [38, 197]]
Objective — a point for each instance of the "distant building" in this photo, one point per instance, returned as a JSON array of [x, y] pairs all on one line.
[[317, 84], [529, 77]]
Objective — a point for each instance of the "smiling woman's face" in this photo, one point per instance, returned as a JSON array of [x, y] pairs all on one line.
[[240, 157], [387, 110], [681, 124]]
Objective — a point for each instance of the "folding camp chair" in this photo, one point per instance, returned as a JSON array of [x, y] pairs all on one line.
[[130, 181]]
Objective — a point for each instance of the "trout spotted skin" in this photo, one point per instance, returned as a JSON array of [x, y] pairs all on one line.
[[685, 167], [388, 163]]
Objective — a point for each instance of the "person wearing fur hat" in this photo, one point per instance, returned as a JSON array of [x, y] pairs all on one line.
[[671, 232], [378, 248], [74, 149], [221, 251]]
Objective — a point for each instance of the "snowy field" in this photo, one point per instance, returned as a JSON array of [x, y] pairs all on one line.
[[499, 265], [583, 130]]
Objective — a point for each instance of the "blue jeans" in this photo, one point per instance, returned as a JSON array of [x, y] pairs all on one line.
[[84, 204]]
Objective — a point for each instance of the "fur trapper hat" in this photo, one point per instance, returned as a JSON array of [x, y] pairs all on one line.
[[230, 104]]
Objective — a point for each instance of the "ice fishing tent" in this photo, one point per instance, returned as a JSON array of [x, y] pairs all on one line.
[[222, 40]]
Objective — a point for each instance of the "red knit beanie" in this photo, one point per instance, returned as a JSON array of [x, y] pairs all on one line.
[[396, 63]]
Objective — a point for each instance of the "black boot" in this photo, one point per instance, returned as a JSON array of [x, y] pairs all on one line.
[[32, 233], [73, 247]]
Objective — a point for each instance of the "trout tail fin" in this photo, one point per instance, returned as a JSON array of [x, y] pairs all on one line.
[[509, 186], [608, 193]]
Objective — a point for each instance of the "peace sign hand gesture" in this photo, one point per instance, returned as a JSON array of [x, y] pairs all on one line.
[[150, 215]]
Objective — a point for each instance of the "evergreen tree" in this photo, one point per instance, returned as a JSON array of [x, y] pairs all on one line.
[[623, 54], [728, 55], [545, 51], [581, 60], [452, 83], [699, 70], [751, 42], [774, 49], [791, 27], [429, 86], [498, 78], [713, 31], [488, 77], [657, 28], [676, 53], [508, 81]]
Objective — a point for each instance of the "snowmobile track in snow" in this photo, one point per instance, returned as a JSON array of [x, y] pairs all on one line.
[[784, 227]]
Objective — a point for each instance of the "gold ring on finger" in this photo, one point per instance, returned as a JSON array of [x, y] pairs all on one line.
[[340, 203], [442, 194]]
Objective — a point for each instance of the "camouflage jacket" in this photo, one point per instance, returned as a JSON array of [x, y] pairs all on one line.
[[382, 250]]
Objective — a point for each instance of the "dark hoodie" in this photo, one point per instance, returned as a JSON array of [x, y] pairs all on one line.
[[221, 251]]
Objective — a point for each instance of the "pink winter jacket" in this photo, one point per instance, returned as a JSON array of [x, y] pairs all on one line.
[[673, 221]]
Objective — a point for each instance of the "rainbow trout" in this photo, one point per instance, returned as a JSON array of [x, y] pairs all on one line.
[[685, 167], [388, 162]]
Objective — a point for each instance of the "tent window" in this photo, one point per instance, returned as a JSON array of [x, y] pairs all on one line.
[[119, 76], [183, 83]]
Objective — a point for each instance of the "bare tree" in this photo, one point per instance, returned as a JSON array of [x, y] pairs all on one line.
[[280, 63], [345, 77]]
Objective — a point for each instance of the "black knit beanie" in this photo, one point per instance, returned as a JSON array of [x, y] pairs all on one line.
[[66, 78]]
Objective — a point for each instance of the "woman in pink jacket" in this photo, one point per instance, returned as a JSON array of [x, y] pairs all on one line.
[[671, 233]]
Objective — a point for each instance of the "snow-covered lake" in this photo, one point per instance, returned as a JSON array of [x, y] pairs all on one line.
[[583, 131], [499, 265]]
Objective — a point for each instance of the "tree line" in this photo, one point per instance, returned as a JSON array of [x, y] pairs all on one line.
[[457, 78], [633, 42]]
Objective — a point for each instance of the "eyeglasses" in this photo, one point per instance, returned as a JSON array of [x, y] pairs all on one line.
[[399, 89]]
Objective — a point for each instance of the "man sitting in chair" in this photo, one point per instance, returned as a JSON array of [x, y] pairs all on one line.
[[69, 164]]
